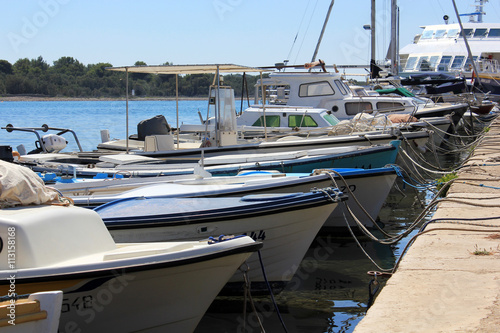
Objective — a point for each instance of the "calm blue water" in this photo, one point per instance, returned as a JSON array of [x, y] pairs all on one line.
[[88, 118], [330, 291]]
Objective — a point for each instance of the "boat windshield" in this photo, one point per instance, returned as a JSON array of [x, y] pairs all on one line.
[[423, 63], [440, 33], [444, 63], [494, 33], [480, 33], [457, 62], [468, 33], [315, 89], [427, 34], [341, 87], [452, 33], [410, 64], [433, 63], [331, 119]]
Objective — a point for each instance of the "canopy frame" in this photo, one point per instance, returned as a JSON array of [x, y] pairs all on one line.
[[177, 70]]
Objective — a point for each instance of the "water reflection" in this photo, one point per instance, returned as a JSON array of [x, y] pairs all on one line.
[[329, 292]]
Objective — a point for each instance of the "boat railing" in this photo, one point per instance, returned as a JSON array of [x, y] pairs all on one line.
[[44, 128], [488, 66]]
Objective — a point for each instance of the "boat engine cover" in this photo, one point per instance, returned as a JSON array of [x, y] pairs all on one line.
[[154, 126], [54, 143]]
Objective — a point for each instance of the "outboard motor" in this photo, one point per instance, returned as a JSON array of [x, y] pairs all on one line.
[[54, 143], [154, 126]]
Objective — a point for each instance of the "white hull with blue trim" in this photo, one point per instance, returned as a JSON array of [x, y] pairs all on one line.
[[110, 287], [361, 182], [285, 223]]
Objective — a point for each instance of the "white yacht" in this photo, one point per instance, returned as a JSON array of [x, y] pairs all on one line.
[[441, 48]]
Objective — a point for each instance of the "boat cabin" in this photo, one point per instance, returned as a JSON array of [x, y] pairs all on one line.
[[441, 48], [293, 93]]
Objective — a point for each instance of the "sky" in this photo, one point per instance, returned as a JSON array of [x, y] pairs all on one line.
[[243, 32]]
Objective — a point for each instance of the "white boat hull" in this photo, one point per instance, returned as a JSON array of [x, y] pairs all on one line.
[[110, 287], [286, 238]]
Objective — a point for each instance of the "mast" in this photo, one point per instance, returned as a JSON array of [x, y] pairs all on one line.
[[322, 31], [394, 38], [466, 43], [373, 48]]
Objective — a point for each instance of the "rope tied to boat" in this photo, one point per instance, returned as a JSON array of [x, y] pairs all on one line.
[[332, 173], [247, 293], [60, 200], [332, 194]]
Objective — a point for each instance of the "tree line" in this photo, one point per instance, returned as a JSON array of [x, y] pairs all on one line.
[[67, 77]]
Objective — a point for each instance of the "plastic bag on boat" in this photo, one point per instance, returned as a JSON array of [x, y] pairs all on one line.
[[21, 186]]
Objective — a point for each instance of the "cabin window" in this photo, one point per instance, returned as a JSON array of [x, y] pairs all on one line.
[[301, 121], [315, 89], [444, 64], [494, 33], [427, 34], [330, 119], [480, 33], [341, 87], [390, 106], [453, 33], [433, 63], [440, 33], [271, 121], [468, 33], [457, 62], [353, 108], [468, 64], [423, 64], [410, 64], [360, 92]]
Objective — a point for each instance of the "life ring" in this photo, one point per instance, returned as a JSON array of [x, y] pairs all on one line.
[[16, 154]]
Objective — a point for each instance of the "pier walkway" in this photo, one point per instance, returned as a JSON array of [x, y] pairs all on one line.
[[449, 280]]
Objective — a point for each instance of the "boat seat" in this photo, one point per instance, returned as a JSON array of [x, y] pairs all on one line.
[[26, 310]]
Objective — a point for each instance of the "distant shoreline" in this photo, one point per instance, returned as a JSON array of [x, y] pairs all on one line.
[[77, 99]]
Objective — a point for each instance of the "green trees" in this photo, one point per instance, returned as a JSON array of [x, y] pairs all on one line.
[[67, 77]]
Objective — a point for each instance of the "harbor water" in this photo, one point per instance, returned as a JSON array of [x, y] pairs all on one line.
[[332, 288]]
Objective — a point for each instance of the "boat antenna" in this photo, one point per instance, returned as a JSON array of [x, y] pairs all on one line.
[[479, 12], [322, 31]]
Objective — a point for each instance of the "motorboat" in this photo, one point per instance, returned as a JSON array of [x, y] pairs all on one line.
[[133, 165], [327, 91], [107, 286], [277, 220], [359, 184], [172, 148], [224, 132]]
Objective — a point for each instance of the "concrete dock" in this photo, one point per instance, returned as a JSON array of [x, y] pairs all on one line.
[[449, 280]]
